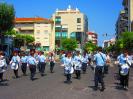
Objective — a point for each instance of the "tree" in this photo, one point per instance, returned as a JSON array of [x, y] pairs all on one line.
[[69, 44], [29, 39], [124, 42], [11, 33], [21, 39], [7, 16], [89, 46]]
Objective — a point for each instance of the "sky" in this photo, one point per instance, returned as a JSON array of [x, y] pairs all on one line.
[[102, 14]]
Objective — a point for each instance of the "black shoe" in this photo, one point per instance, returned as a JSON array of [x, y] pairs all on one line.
[[24, 74], [102, 89], [42, 74], [17, 76], [95, 88], [69, 82], [32, 79], [52, 72], [66, 81]]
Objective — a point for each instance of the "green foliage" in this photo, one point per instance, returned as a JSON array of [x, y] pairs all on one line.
[[90, 47], [69, 44], [11, 32], [28, 39], [21, 40], [7, 16], [125, 42]]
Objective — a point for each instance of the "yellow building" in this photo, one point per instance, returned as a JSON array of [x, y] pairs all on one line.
[[69, 23], [40, 28]]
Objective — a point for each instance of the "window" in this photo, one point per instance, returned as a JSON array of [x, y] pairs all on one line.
[[38, 31], [78, 28], [57, 20], [57, 34], [45, 37], [64, 34], [45, 31], [73, 35], [37, 38], [78, 20], [57, 29]]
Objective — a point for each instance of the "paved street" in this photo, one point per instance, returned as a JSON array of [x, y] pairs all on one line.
[[52, 86]]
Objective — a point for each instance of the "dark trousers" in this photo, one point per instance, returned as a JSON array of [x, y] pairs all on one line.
[[24, 68], [39, 67], [42, 67], [124, 80], [106, 69], [33, 71], [99, 76], [51, 66], [78, 73], [16, 73], [84, 66], [68, 77], [1, 76]]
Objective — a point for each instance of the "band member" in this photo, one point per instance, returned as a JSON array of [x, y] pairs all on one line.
[[32, 65], [52, 62], [108, 60], [100, 60], [42, 63], [68, 69], [23, 61], [3, 65], [15, 61], [37, 55], [84, 62], [78, 65], [124, 63]]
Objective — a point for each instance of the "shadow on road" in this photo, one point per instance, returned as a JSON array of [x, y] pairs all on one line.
[[4, 84]]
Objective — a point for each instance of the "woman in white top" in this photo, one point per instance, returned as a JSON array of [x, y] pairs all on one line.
[[84, 62], [31, 61], [78, 65], [107, 63], [68, 69], [3, 65], [51, 59], [15, 61]]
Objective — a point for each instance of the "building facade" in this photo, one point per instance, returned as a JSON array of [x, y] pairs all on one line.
[[70, 23], [107, 43], [125, 19], [93, 37], [39, 28]]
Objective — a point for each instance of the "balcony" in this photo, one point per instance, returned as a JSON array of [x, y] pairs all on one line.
[[125, 2], [25, 26]]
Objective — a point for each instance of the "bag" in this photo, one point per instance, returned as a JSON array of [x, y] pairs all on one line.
[[2, 63], [14, 66], [78, 67], [124, 69], [103, 60]]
